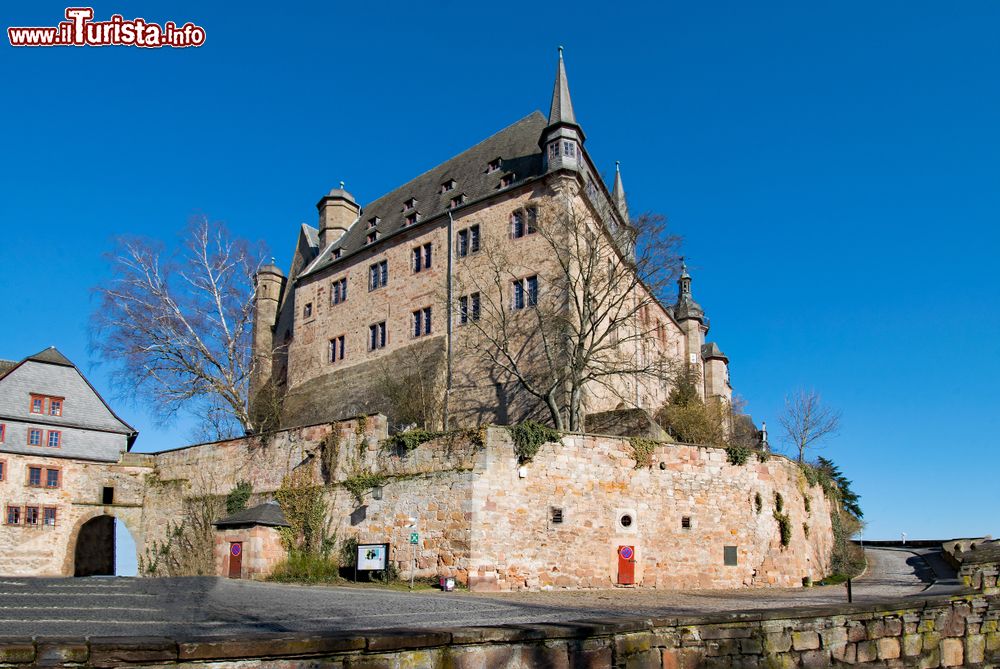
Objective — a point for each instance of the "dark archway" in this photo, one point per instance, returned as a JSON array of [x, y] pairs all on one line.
[[95, 548]]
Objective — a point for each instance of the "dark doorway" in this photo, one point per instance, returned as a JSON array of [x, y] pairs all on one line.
[[108, 495], [95, 548]]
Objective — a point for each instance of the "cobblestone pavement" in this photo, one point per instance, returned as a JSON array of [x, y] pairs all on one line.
[[213, 606]]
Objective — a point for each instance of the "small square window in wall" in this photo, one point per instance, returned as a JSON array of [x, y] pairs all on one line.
[[13, 515], [729, 556], [307, 310], [108, 495], [685, 522], [556, 515], [49, 517]]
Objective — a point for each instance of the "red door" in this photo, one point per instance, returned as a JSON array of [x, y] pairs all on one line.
[[236, 559], [626, 565]]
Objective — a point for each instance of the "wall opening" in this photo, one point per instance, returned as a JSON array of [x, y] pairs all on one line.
[[95, 548], [126, 552], [108, 495]]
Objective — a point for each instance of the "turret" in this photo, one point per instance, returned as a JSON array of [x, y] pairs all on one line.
[[270, 283], [337, 212], [690, 316], [618, 193], [716, 372], [562, 140]]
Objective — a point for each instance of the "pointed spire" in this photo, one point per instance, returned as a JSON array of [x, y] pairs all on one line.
[[686, 307], [561, 110], [618, 194]]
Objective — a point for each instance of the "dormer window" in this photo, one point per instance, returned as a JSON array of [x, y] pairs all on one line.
[[448, 185], [410, 204], [506, 180], [337, 253], [457, 201], [494, 165], [412, 218], [373, 221], [372, 237]]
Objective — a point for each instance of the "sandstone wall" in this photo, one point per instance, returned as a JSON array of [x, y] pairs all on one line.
[[593, 481], [937, 632]]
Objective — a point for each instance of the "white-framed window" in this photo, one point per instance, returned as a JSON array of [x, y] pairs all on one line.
[[422, 322], [468, 241], [422, 257], [335, 352], [468, 308], [378, 275], [525, 292], [338, 291], [376, 336]]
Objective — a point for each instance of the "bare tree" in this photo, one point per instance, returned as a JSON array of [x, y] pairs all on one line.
[[580, 316], [807, 421], [177, 328]]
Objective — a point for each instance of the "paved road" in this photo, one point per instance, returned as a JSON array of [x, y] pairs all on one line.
[[211, 606]]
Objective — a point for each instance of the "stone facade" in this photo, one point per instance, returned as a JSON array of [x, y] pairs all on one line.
[[936, 632], [261, 550]]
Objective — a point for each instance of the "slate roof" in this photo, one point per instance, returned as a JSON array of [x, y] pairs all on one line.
[[516, 146], [6, 366], [268, 513], [711, 350], [51, 356]]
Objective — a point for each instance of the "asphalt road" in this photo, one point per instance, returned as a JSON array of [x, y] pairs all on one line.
[[215, 606]]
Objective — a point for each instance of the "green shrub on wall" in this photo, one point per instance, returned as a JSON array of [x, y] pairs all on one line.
[[737, 455], [642, 451], [238, 497], [362, 482], [784, 528], [529, 436], [409, 440]]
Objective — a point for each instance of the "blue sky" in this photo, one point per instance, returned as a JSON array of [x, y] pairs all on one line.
[[833, 168]]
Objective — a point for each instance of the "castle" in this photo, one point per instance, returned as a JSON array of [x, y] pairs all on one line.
[[368, 292]]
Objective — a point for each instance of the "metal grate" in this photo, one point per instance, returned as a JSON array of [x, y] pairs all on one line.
[[556, 514], [685, 522]]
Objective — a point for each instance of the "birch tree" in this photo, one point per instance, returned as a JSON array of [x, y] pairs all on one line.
[[807, 421], [176, 327]]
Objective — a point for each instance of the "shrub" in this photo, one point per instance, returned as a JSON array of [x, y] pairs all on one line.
[[807, 503], [737, 455], [302, 502], [758, 503], [362, 482], [784, 528], [409, 440], [306, 567], [779, 503], [805, 529], [529, 436], [642, 451], [238, 497]]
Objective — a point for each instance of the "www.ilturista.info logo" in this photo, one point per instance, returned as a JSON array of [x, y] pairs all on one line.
[[81, 30]]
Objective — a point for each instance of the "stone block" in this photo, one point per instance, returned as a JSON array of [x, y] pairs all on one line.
[[777, 642], [867, 651], [931, 639], [929, 659], [58, 652], [405, 639], [888, 648], [856, 632], [816, 659], [875, 629], [893, 627], [835, 636], [266, 646], [555, 655], [17, 651], [847, 654], [682, 658], [728, 632], [631, 644], [993, 641], [588, 658], [805, 640], [751, 647], [913, 644], [952, 652], [478, 657], [116, 651], [975, 648]]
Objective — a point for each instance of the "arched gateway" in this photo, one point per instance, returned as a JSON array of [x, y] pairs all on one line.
[[95, 548]]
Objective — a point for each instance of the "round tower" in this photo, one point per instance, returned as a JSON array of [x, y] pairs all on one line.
[[270, 284], [337, 212], [691, 317]]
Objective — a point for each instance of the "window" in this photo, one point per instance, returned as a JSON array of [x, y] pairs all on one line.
[[307, 310], [422, 322], [410, 204], [55, 438], [494, 165], [378, 275], [468, 308], [45, 404], [3, 469], [34, 437], [373, 221], [412, 218], [55, 407], [685, 522], [51, 478], [336, 349], [506, 180], [556, 514], [525, 292], [372, 237], [34, 476], [13, 515], [337, 253], [49, 517], [31, 515], [376, 336], [448, 185], [338, 291], [37, 404], [468, 241], [108, 495], [422, 257], [3, 432], [457, 201], [569, 149], [729, 556], [553, 150], [522, 222]]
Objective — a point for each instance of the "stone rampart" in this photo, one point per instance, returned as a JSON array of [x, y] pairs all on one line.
[[937, 632]]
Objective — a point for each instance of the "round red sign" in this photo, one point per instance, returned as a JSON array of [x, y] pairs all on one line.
[[235, 549], [626, 552]]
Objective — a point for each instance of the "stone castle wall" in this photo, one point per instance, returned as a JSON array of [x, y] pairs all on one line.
[[478, 519]]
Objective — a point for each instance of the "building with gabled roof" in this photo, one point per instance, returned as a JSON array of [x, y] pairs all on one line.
[[371, 292]]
